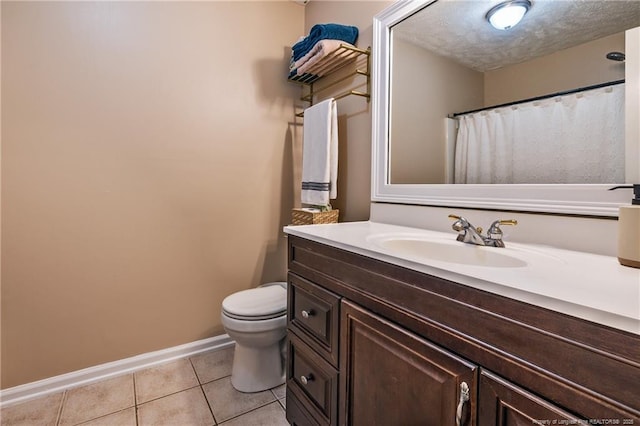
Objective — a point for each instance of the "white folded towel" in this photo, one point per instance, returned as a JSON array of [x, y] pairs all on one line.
[[317, 52], [320, 154]]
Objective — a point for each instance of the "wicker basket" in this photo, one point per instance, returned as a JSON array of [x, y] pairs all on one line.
[[304, 217]]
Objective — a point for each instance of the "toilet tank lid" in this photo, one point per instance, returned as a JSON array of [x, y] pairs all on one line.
[[256, 301]]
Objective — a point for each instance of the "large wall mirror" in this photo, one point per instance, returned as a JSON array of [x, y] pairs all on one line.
[[540, 117]]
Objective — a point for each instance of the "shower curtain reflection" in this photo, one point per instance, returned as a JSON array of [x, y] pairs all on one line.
[[575, 138]]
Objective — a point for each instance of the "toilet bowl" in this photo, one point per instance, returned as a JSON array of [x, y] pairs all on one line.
[[257, 320]]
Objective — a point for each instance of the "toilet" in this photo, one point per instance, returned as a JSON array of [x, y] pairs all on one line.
[[257, 320]]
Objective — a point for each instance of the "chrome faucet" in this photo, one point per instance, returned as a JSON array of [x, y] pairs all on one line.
[[467, 233]]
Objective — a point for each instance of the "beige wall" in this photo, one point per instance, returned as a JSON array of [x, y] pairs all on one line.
[[578, 66], [419, 105], [146, 173]]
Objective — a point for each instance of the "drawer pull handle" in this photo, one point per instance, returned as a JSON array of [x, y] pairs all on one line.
[[306, 379], [306, 314], [463, 414]]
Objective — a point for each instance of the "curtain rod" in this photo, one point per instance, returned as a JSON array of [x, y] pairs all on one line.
[[538, 98]]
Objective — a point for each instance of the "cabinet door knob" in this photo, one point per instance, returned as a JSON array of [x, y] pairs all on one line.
[[463, 413], [306, 314], [306, 379]]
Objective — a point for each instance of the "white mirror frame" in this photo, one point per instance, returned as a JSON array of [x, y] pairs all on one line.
[[574, 199]]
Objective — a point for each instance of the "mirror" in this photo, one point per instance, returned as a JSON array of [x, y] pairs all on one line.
[[433, 59]]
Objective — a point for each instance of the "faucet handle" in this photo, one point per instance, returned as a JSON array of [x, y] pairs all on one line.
[[495, 232], [460, 223]]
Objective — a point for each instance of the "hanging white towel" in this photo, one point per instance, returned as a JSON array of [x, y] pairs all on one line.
[[320, 154]]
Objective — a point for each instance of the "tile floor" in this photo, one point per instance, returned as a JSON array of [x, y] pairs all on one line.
[[189, 391]]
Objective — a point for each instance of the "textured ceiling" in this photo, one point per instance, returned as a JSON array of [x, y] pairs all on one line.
[[457, 29]]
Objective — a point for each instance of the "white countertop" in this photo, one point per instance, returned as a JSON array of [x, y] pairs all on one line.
[[584, 285]]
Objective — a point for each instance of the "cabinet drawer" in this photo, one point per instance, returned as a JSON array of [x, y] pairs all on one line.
[[296, 415], [313, 313], [312, 381]]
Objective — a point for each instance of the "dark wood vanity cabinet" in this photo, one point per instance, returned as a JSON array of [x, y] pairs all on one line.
[[502, 403], [390, 376], [312, 362], [371, 343]]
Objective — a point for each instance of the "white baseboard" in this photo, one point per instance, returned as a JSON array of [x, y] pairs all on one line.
[[28, 391]]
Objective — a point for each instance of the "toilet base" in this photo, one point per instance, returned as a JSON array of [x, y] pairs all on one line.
[[257, 369]]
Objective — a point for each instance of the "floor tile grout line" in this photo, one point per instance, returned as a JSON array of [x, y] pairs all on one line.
[[195, 370], [135, 392], [274, 394], [137, 404], [65, 393], [251, 410], [62, 401], [164, 396], [215, 422], [104, 415], [202, 383], [135, 398], [215, 380]]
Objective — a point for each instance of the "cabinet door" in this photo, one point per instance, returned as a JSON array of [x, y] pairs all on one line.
[[502, 403], [390, 376]]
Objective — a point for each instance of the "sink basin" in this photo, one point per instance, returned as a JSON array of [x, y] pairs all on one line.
[[449, 251]]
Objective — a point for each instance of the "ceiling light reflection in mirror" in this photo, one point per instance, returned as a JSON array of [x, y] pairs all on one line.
[[506, 15]]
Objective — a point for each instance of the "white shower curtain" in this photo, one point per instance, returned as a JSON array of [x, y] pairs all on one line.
[[576, 138]]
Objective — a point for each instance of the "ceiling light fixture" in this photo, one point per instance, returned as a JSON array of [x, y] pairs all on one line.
[[507, 14]]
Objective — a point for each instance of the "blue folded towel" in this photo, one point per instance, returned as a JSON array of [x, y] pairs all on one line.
[[321, 32]]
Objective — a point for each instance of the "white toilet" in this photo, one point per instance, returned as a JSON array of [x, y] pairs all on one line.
[[257, 320]]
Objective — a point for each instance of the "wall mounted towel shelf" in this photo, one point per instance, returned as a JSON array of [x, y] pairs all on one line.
[[342, 56]]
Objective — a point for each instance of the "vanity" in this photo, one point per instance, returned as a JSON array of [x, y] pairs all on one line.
[[395, 325], [382, 336]]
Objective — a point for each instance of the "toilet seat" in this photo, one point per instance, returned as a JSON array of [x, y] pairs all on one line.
[[255, 317], [257, 304]]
